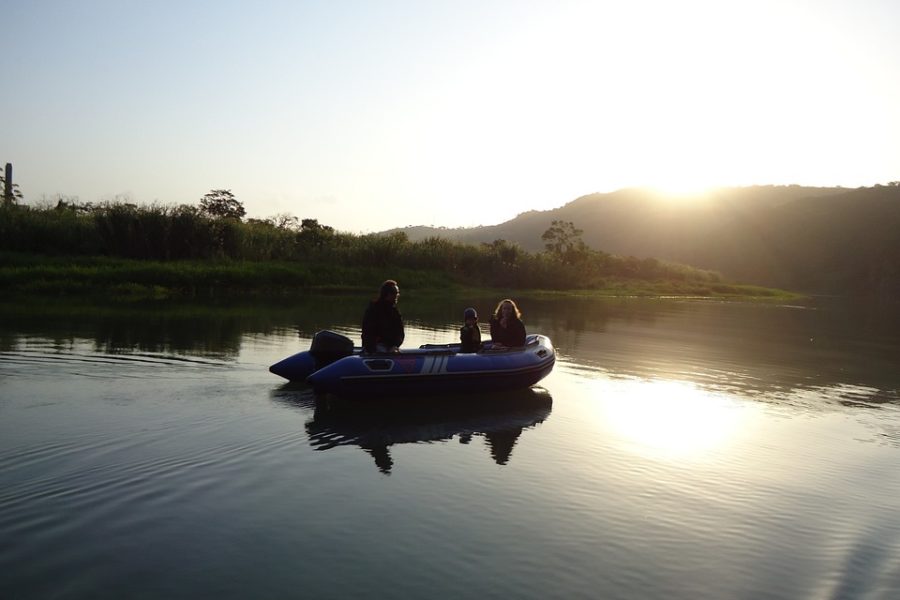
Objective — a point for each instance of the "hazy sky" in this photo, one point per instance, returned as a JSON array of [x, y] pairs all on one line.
[[373, 114]]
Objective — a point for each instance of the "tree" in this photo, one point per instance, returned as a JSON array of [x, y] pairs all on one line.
[[507, 252], [222, 204], [313, 235], [563, 242], [562, 238], [312, 225], [285, 221]]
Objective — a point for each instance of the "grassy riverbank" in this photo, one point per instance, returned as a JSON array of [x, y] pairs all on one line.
[[127, 251], [37, 275]]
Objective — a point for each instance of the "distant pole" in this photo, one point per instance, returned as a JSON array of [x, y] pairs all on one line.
[[7, 192]]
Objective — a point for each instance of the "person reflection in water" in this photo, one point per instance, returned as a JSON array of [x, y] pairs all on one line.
[[501, 443], [507, 329], [376, 429], [382, 457], [382, 327]]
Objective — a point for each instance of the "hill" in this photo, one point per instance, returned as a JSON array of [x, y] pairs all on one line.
[[826, 240]]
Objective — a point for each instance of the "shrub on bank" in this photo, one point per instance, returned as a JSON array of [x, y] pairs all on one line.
[[167, 236]]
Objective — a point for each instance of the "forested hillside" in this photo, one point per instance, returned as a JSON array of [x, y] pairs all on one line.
[[830, 240]]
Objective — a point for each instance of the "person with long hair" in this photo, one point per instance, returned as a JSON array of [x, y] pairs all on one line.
[[382, 327], [507, 329]]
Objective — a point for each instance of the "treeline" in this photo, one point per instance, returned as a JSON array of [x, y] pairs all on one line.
[[822, 240], [176, 233]]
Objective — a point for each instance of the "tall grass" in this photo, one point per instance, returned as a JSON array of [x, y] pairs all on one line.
[[261, 253]]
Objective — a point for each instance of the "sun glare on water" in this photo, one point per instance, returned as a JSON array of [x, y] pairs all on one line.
[[671, 419]]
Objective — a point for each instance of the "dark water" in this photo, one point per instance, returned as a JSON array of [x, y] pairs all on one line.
[[678, 450]]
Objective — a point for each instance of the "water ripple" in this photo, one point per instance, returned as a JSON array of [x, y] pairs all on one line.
[[101, 365], [119, 478]]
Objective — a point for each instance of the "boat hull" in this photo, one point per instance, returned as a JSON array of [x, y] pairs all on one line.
[[425, 371], [296, 367]]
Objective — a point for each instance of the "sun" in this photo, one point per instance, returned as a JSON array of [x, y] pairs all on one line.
[[680, 190], [681, 180]]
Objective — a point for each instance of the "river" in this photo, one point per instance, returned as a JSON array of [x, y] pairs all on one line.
[[679, 449]]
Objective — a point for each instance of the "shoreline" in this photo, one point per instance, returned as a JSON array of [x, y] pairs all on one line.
[[123, 280]]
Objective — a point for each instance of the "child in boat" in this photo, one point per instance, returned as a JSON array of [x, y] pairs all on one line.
[[469, 334]]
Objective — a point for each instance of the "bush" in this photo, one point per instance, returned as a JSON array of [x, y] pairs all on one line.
[[170, 233]]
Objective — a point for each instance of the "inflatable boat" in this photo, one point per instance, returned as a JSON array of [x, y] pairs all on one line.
[[333, 365]]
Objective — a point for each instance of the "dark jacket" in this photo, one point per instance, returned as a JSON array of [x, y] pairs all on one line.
[[511, 335], [382, 324], [470, 338]]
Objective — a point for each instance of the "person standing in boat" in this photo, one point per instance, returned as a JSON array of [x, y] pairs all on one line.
[[469, 334], [382, 327], [507, 329]]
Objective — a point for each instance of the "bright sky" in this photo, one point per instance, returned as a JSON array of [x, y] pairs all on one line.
[[368, 114]]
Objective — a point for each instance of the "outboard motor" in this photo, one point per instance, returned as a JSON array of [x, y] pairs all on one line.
[[328, 347]]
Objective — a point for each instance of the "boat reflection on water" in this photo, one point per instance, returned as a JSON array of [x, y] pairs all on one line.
[[374, 426]]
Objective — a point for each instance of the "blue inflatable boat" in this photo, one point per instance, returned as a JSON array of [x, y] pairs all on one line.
[[333, 365]]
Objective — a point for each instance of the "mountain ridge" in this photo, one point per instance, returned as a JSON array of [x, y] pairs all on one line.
[[821, 239]]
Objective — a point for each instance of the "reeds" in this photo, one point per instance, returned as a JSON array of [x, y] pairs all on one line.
[[180, 248]]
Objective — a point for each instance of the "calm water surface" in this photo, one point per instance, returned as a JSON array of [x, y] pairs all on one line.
[[678, 450]]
